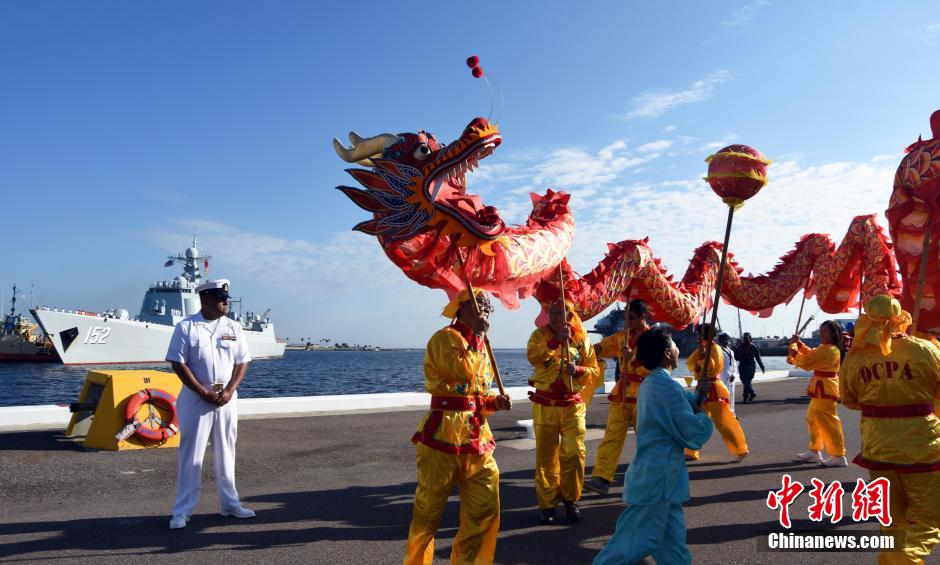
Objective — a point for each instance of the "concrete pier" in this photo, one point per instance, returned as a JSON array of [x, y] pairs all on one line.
[[339, 489]]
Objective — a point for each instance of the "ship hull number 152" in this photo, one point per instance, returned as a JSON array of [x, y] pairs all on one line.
[[97, 334]]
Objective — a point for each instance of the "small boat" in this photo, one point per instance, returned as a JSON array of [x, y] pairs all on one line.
[[22, 340]]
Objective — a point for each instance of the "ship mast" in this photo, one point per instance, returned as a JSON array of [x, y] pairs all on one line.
[[190, 260]]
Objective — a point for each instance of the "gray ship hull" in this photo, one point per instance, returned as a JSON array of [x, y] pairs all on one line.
[[91, 339]]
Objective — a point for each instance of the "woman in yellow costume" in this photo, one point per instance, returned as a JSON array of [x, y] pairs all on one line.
[[822, 416], [621, 414], [454, 441], [894, 380], [717, 401], [562, 360]]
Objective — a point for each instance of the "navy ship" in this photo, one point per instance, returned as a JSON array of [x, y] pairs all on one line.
[[91, 338], [615, 321]]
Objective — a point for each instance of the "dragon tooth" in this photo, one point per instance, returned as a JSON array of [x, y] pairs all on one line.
[[436, 187]]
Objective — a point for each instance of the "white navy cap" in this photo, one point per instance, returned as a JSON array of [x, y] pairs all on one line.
[[218, 286]]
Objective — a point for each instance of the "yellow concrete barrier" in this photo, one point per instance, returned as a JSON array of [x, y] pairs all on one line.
[[99, 412]]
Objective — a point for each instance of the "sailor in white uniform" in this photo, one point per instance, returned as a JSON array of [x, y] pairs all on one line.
[[730, 370], [209, 353]]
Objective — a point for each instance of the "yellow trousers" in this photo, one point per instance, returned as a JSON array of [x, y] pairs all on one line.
[[559, 453], [825, 427], [477, 479], [915, 510], [727, 425], [620, 417]]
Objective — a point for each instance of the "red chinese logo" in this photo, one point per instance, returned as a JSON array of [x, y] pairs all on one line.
[[826, 501], [871, 500], [783, 498]]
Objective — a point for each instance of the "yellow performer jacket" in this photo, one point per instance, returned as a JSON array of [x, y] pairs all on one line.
[[896, 394], [824, 362], [545, 356], [718, 392], [458, 374], [631, 372]]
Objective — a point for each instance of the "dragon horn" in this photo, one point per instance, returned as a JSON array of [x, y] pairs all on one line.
[[363, 147]]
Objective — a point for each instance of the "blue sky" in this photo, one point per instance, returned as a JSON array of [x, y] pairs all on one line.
[[126, 125]]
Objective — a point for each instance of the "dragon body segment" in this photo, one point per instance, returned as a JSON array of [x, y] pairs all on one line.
[[831, 273], [423, 218]]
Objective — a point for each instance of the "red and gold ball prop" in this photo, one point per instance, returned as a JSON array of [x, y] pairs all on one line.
[[737, 173]]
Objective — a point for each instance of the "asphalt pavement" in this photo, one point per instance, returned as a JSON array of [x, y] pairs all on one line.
[[339, 489]]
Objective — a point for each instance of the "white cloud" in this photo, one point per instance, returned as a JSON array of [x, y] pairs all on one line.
[[928, 33], [655, 104], [669, 129], [655, 146], [719, 143], [571, 167], [744, 14]]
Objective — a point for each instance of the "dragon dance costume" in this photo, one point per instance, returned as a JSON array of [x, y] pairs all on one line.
[[558, 412], [895, 381], [621, 414], [822, 416], [717, 404], [591, 385], [454, 447]]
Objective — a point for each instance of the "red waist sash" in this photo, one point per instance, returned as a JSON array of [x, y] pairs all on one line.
[[560, 399], [826, 374], [903, 411], [460, 403]]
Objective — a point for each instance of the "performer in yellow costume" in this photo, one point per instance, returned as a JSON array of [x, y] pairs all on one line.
[[822, 416], [591, 385], [562, 359], [895, 380], [454, 442], [621, 414], [717, 401]]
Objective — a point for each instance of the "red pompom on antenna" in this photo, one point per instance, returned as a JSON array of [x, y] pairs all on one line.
[[477, 71], [473, 61]]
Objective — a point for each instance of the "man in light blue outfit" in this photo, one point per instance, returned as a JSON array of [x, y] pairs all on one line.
[[657, 481]]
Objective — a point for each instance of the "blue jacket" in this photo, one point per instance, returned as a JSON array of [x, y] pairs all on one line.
[[665, 425]]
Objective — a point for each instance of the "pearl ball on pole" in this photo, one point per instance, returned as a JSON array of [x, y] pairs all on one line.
[[735, 173]]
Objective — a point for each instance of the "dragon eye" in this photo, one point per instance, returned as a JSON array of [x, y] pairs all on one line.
[[422, 152]]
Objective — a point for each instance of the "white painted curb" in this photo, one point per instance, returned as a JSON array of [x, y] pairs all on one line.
[[57, 417]]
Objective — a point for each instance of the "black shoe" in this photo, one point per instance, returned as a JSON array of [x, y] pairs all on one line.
[[572, 512], [548, 516], [598, 485]]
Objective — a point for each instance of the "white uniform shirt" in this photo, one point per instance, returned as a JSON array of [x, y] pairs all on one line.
[[210, 349], [731, 366]]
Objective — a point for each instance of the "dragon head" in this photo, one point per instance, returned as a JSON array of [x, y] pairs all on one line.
[[418, 184]]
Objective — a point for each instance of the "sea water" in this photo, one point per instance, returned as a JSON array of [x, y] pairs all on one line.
[[298, 373]]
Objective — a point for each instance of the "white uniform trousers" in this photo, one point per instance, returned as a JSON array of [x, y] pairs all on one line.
[[198, 421], [731, 394]]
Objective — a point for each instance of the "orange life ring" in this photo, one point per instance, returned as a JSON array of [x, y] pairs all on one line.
[[159, 398]]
